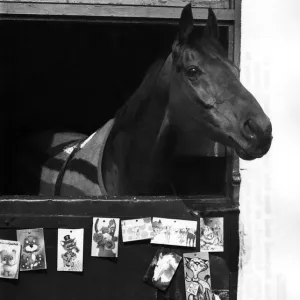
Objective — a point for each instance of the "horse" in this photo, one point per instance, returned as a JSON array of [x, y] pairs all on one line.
[[168, 230], [164, 270], [190, 238], [192, 95]]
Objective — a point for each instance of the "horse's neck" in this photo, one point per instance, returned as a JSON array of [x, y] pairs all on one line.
[[138, 152]]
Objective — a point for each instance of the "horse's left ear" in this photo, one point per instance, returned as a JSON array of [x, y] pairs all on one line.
[[186, 23], [211, 28]]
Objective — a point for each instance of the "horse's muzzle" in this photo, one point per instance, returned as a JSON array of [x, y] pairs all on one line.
[[259, 138]]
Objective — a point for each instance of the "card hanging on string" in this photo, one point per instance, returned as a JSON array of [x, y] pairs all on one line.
[[174, 232], [136, 229], [70, 250], [162, 269], [105, 237], [33, 255], [197, 276], [211, 235], [9, 259]]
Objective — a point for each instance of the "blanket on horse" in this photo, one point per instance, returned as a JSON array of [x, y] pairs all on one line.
[[76, 170]]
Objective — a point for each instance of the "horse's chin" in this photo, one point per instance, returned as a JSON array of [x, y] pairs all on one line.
[[248, 156], [243, 154]]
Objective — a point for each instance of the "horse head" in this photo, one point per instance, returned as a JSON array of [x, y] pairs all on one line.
[[163, 263], [207, 97]]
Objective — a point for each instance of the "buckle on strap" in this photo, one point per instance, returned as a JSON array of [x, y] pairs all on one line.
[[62, 171]]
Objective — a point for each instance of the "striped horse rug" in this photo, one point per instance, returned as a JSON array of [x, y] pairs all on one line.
[[74, 170]]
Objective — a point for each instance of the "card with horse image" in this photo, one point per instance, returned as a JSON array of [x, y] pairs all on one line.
[[33, 254], [174, 232], [211, 234], [137, 229], [162, 269], [197, 276], [70, 250], [9, 259], [105, 237]]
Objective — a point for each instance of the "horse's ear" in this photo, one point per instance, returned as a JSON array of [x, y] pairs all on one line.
[[211, 29], [186, 23]]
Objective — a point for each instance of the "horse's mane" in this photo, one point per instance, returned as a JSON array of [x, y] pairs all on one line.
[[140, 98]]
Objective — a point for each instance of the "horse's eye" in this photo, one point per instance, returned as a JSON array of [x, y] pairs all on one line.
[[193, 71]]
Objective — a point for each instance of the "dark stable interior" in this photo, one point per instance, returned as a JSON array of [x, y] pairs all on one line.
[[73, 76]]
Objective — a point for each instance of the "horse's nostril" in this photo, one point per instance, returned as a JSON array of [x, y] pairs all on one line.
[[248, 129], [258, 134], [252, 125]]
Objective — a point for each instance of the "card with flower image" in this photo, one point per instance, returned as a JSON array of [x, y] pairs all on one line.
[[174, 232], [33, 255], [9, 259], [137, 229], [105, 238], [70, 250]]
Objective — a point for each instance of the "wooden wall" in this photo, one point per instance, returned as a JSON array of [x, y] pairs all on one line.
[[119, 278]]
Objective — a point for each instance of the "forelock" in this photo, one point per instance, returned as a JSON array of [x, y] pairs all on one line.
[[207, 47]]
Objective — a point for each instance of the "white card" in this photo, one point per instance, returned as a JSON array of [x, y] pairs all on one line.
[[9, 259], [197, 276], [162, 269], [70, 250], [137, 229], [105, 237], [33, 255], [211, 235], [174, 232]]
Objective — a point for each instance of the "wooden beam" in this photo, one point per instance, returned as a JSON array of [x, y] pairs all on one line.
[[26, 205], [107, 11], [231, 42], [173, 3], [237, 31]]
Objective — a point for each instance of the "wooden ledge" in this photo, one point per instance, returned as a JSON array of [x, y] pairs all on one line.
[[106, 10]]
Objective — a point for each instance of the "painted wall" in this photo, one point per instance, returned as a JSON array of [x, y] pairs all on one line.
[[270, 190]]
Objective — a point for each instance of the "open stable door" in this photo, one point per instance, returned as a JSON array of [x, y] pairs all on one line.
[[51, 46]]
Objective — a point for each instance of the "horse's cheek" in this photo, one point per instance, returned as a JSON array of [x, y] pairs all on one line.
[[205, 95]]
